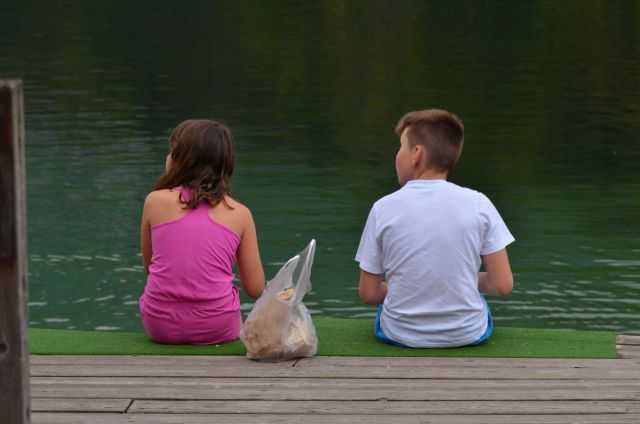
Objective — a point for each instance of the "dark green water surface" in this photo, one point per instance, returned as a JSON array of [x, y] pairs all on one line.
[[549, 93]]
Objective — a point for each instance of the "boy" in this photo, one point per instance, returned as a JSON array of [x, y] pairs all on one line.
[[428, 239]]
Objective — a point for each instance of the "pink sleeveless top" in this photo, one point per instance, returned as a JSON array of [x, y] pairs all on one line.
[[192, 262]]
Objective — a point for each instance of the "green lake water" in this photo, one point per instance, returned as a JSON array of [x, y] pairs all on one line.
[[549, 93]]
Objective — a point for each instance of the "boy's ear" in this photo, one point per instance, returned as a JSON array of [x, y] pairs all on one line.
[[418, 155]]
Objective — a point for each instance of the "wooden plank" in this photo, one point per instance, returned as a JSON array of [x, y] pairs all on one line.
[[79, 405], [220, 389], [154, 360], [14, 352], [106, 418], [334, 367], [240, 361], [627, 340], [154, 365], [628, 351], [469, 362], [383, 407], [320, 370], [330, 389]]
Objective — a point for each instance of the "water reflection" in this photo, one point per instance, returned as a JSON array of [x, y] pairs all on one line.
[[548, 93]]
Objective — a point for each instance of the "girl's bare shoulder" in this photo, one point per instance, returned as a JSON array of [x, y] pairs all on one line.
[[161, 198], [162, 206], [237, 206]]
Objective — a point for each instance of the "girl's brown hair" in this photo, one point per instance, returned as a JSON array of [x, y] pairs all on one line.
[[202, 160]]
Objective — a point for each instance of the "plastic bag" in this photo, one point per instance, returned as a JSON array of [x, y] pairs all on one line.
[[279, 327]]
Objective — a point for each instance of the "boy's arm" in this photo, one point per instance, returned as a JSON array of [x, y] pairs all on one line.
[[372, 289], [498, 278]]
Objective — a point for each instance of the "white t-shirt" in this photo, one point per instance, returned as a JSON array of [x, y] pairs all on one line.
[[427, 238]]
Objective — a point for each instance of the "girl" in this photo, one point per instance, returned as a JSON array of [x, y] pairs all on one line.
[[192, 232]]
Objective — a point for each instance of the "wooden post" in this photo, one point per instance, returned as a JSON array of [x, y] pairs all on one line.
[[14, 352]]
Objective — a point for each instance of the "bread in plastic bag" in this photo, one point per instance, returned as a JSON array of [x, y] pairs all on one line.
[[279, 326]]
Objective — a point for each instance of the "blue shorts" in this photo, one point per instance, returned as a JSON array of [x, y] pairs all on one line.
[[377, 329]]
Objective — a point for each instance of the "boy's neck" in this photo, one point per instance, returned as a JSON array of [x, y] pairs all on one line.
[[429, 174]]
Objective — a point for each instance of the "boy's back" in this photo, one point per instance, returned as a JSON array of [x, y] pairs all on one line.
[[427, 239]]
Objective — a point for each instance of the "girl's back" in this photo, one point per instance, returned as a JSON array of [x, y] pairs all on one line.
[[192, 232], [193, 252]]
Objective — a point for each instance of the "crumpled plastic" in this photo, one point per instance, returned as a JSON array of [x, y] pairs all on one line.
[[279, 326]]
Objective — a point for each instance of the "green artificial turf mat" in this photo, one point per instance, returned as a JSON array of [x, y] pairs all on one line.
[[344, 337], [340, 337]]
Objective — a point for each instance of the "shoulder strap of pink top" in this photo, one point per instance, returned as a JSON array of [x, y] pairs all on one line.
[[186, 193]]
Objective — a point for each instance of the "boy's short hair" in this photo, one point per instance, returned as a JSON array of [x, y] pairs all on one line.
[[439, 131]]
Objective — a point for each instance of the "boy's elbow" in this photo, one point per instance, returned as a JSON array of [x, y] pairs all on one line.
[[369, 301], [506, 287], [369, 298], [366, 297]]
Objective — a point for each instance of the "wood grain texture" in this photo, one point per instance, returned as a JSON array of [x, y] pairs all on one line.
[[627, 340], [14, 352], [384, 407], [628, 351], [224, 361], [73, 389], [63, 404], [260, 388], [105, 418]]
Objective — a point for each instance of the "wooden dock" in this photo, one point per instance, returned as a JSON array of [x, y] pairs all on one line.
[[232, 389]]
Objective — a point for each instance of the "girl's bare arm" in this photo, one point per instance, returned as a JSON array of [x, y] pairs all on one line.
[[145, 236], [248, 257]]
